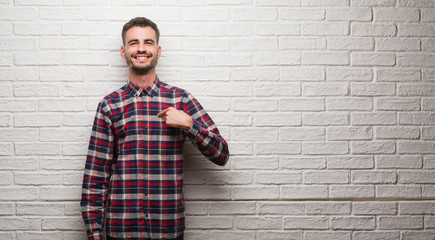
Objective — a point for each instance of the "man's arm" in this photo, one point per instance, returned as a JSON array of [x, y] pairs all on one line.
[[200, 129], [97, 174]]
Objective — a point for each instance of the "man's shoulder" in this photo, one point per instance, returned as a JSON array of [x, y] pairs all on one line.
[[171, 88], [116, 95]]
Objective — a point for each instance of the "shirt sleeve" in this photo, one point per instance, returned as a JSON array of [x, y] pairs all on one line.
[[97, 173], [204, 134]]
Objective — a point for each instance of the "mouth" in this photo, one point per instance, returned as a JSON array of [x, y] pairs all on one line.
[[141, 57]]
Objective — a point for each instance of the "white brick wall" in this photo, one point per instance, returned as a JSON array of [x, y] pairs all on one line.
[[328, 107]]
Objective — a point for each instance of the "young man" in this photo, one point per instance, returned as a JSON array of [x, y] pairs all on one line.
[[133, 177]]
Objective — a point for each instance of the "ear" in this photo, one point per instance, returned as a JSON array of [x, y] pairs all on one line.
[[159, 51], [122, 51]]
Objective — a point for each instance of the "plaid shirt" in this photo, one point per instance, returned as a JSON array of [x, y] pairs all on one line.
[[133, 177]]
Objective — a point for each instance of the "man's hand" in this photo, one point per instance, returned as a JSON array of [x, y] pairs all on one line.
[[176, 118]]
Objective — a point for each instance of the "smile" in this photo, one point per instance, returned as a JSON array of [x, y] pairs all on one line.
[[141, 57]]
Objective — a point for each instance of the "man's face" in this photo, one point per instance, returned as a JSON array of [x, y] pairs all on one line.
[[141, 51]]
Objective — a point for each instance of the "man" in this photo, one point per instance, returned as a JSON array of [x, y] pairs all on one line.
[[133, 177]]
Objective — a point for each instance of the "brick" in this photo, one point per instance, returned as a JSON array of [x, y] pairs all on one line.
[[231, 208], [325, 58], [35, 29], [262, 163], [351, 162], [222, 235], [38, 2], [18, 13], [427, 15], [337, 235], [38, 179], [246, 134], [349, 133], [37, 149], [255, 192], [349, 74], [274, 29], [36, 90], [277, 119], [398, 191], [19, 163], [62, 43], [398, 104], [304, 192], [429, 162], [6, 60], [374, 208], [254, 14], [416, 90], [428, 191], [372, 177], [18, 44], [255, 223], [325, 3], [39, 209], [376, 235], [235, 119], [12, 223], [303, 163], [415, 30], [354, 43], [284, 3], [398, 76], [377, 118], [7, 209], [60, 193], [281, 208], [6, 179], [420, 118], [62, 14], [428, 133], [396, 15], [6, 29], [302, 104], [373, 29], [416, 60], [397, 133], [304, 223], [349, 104], [37, 58], [372, 59], [18, 194], [266, 73], [325, 177], [397, 44], [401, 223], [37, 120], [351, 191], [302, 74], [417, 208], [373, 89], [372, 3], [327, 208], [230, 29], [283, 235], [273, 90], [18, 135], [6, 149], [412, 235], [55, 74], [85, 29], [263, 105], [229, 178], [428, 75], [428, 44], [373, 147], [325, 119], [305, 43], [325, 148], [398, 162], [354, 223], [325, 29], [416, 3], [70, 223], [278, 178], [283, 148], [301, 134], [204, 14], [429, 222], [278, 58], [349, 14], [408, 176], [302, 14]]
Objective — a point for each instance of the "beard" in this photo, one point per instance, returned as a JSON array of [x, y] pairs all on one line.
[[142, 69]]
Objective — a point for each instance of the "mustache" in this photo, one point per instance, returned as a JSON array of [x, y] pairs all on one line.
[[142, 53]]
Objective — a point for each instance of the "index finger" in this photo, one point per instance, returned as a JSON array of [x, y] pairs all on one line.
[[162, 112]]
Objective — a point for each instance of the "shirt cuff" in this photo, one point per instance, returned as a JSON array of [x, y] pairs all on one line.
[[194, 131]]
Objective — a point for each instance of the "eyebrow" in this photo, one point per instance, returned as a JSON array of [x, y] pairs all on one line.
[[137, 40]]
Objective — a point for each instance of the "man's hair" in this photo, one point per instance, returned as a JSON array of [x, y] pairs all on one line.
[[140, 22]]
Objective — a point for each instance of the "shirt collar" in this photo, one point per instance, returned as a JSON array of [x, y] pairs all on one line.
[[150, 91]]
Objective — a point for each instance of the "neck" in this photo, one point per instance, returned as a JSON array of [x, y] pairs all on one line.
[[144, 80]]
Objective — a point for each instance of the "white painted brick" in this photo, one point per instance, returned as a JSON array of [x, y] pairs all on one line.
[[351, 191], [18, 135], [418, 118], [302, 74], [70, 223], [207, 192], [353, 43], [284, 3], [37, 58], [283, 235], [277, 119], [231, 208], [37, 149], [376, 235], [37, 120], [204, 14], [18, 44], [261, 134], [231, 29], [256, 105], [302, 43], [280, 208], [254, 14], [245, 44], [428, 44], [302, 104], [325, 29], [6, 179], [62, 13], [328, 208], [278, 58], [273, 90], [416, 208], [427, 15], [373, 89], [225, 2], [63, 193], [411, 235], [325, 148], [255, 192], [7, 209], [296, 223], [398, 104], [38, 2], [304, 14], [264, 73], [68, 43], [301, 134], [429, 162], [18, 13], [354, 104], [372, 59], [37, 29], [416, 60], [38, 178], [6, 149], [397, 75], [13, 223], [5, 120], [415, 30], [349, 14], [397, 162], [303, 163], [325, 177], [374, 208], [256, 223], [36, 90], [349, 74], [416, 3], [19, 163], [373, 29], [325, 3], [6, 29], [356, 223], [18, 194], [325, 59], [396, 15], [397, 133], [370, 3], [261, 163], [7, 105], [272, 148], [400, 223], [274, 29], [233, 119], [416, 177], [228, 178], [379, 177], [63, 74], [373, 147], [85, 29], [325, 119], [40, 209], [61, 105], [352, 162], [304, 192], [398, 191], [428, 191], [235, 59], [223, 235], [428, 75], [428, 133], [377, 118], [337, 235], [349, 133], [397, 44], [278, 178]]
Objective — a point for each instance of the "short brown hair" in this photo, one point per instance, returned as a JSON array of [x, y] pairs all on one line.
[[140, 22]]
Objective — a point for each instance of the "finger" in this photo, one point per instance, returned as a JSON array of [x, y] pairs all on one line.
[[163, 112]]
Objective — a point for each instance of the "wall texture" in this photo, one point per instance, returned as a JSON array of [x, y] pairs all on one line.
[[328, 106]]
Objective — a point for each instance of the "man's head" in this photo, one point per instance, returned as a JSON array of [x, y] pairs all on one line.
[[140, 22], [140, 47]]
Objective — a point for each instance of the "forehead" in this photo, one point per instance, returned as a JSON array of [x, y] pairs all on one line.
[[140, 33]]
